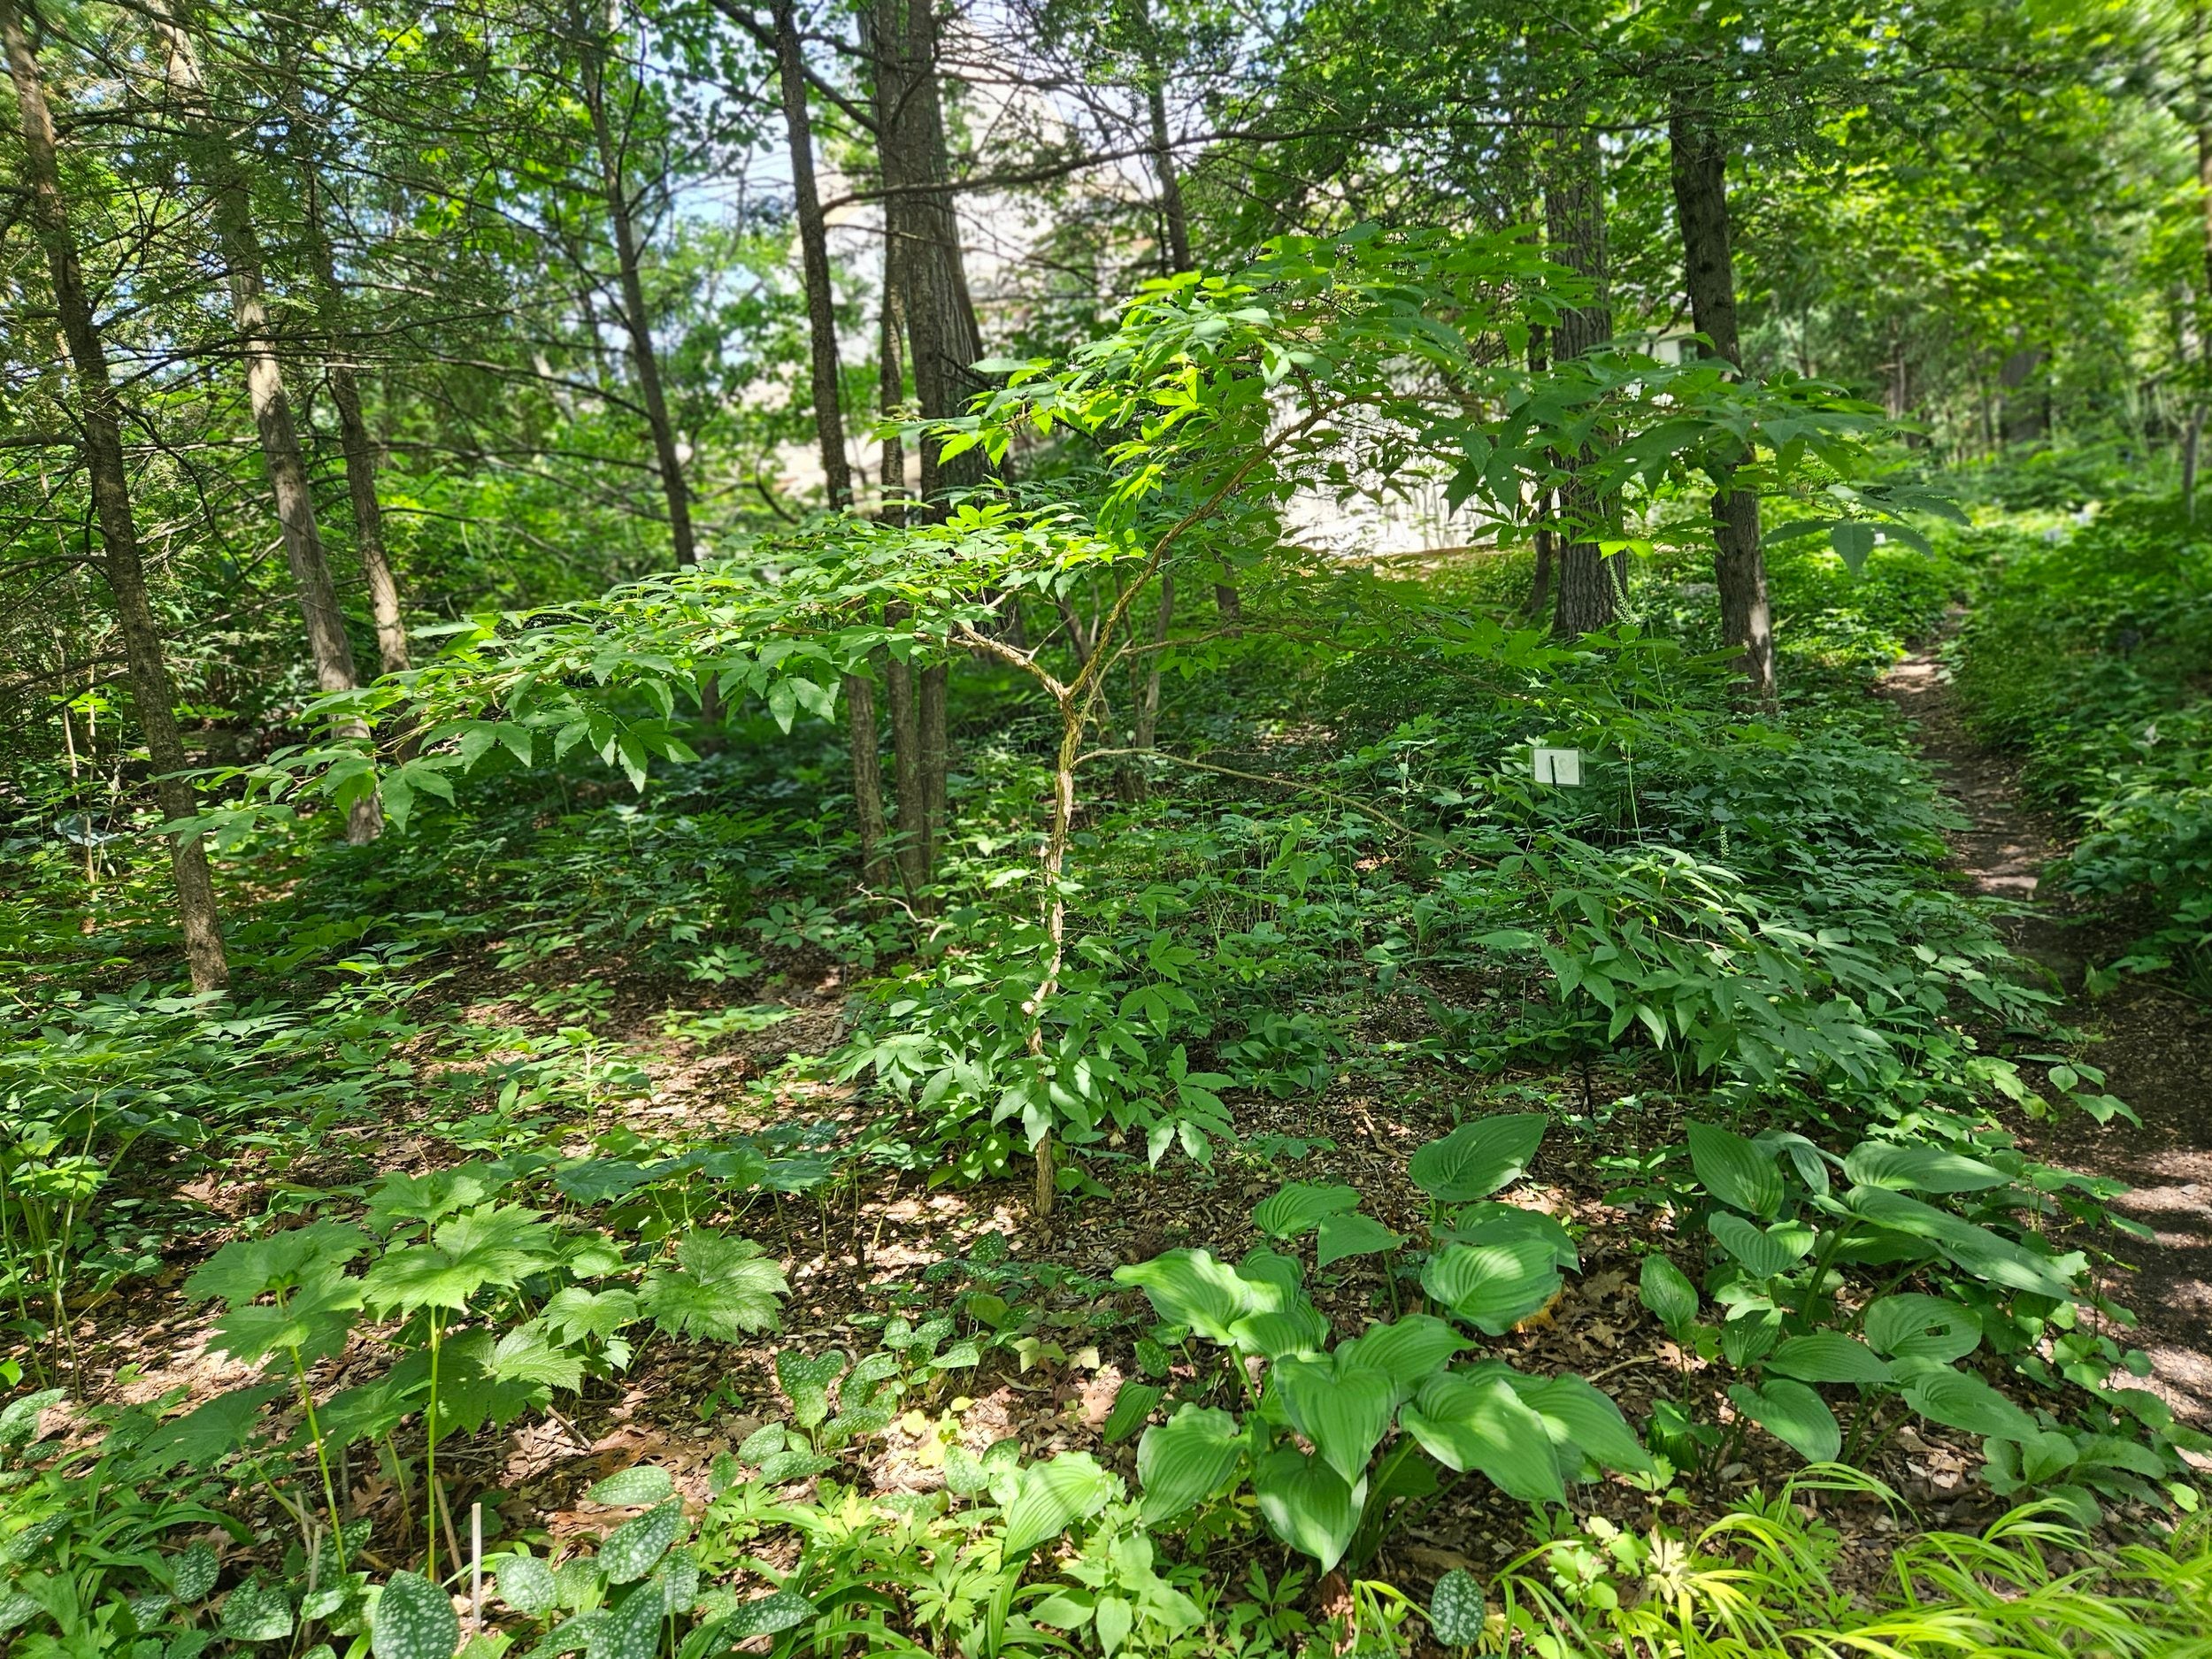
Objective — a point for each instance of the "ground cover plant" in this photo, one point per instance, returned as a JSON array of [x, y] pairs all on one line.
[[1226, 947]]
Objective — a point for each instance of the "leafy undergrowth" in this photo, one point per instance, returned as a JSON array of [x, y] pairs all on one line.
[[589, 1226], [2087, 653]]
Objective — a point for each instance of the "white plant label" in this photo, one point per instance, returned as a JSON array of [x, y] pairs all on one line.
[[1560, 766]]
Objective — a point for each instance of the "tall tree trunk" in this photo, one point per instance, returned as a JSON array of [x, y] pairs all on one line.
[[636, 319], [1700, 202], [1574, 219], [232, 200], [829, 413], [355, 445], [944, 342], [102, 445]]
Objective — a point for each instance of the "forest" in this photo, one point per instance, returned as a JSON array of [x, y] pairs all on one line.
[[1168, 829]]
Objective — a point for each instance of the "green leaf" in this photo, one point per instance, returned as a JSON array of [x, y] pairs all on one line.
[[1918, 1169], [638, 1485], [1186, 1460], [414, 1619], [203, 1438], [1458, 1615], [765, 1614], [1132, 1403], [632, 1629], [1492, 1286], [1476, 1420], [1734, 1171], [524, 1583], [1917, 1327], [1307, 1505], [1408, 1351], [721, 1288], [1300, 1207], [1343, 1410], [1666, 1291], [1765, 1252], [806, 1383], [1976, 1249], [1494, 1223], [1584, 1423], [1116, 1616], [1343, 1237], [1795, 1415], [192, 1571], [629, 1552], [1478, 1158], [1828, 1357], [1052, 1496], [1852, 544], [1190, 1287], [1958, 1400], [259, 1611]]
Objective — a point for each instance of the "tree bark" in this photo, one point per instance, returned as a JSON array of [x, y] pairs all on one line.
[[102, 445], [225, 178], [358, 447], [901, 692], [1589, 589], [1698, 167], [829, 413], [636, 319]]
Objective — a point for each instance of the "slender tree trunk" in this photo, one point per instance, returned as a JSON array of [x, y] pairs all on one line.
[[829, 413], [636, 319], [1574, 215], [1701, 199], [902, 692], [2200, 119], [225, 178], [102, 445], [357, 445]]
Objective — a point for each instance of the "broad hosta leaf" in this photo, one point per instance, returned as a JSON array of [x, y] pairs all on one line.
[[1492, 1286], [1584, 1423], [1344, 1411], [258, 1611], [1343, 1237], [638, 1485], [1054, 1496], [1297, 1329], [1190, 1287], [1300, 1207], [1478, 1158], [525, 1584], [1918, 1169], [1408, 1351], [1186, 1460], [632, 1629], [1735, 1171], [1765, 1252], [1958, 1400], [1307, 1505], [765, 1614], [1666, 1291], [1474, 1419], [1494, 1223], [629, 1552], [1457, 1612], [720, 1289], [1795, 1415], [806, 1383], [1976, 1249], [192, 1571], [1829, 1356], [1922, 1328], [414, 1619]]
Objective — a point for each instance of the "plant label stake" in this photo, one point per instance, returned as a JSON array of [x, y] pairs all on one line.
[[1561, 766], [476, 1567]]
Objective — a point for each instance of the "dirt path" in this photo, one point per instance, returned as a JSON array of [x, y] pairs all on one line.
[[2155, 1047]]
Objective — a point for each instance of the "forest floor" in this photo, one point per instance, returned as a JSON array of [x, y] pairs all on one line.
[[2154, 1041]]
